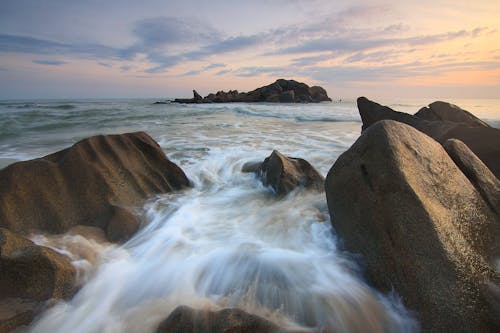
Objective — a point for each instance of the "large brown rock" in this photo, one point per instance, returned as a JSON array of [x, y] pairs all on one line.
[[31, 271], [449, 112], [187, 320], [84, 185], [284, 174], [482, 140], [478, 174], [423, 229], [29, 275]]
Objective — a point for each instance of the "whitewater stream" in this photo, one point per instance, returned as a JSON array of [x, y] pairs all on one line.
[[228, 241]]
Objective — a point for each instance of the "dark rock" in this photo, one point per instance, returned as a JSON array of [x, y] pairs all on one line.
[[187, 320], [81, 185], [251, 167], [33, 272], [284, 91], [284, 174], [397, 198], [449, 112], [287, 96], [197, 97], [478, 174], [482, 140]]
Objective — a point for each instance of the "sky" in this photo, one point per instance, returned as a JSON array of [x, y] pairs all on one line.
[[153, 48]]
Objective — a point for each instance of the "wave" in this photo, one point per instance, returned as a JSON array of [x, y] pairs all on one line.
[[297, 117]]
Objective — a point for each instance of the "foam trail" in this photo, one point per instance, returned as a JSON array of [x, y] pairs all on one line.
[[229, 243]]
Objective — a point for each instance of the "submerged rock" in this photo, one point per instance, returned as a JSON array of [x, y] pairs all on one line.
[[284, 174], [280, 91], [84, 185], [187, 320], [482, 140], [424, 230]]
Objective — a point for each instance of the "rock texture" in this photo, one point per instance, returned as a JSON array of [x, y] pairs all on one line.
[[91, 183], [482, 140], [281, 91], [478, 174], [397, 198], [449, 112], [29, 275], [284, 174], [187, 320], [32, 271]]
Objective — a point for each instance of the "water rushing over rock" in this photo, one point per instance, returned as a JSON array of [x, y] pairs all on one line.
[[228, 243]]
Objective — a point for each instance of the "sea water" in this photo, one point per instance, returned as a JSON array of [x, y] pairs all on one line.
[[228, 241]]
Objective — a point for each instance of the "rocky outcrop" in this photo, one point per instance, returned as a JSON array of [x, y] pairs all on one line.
[[281, 91], [29, 275], [423, 229], [284, 174], [187, 320], [478, 174], [482, 140], [449, 112], [92, 183]]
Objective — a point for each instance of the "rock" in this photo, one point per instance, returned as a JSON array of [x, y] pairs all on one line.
[[33, 272], [287, 96], [83, 184], [449, 112], [197, 97], [280, 91], [482, 140], [122, 225], [187, 320], [478, 174], [251, 167], [424, 231], [284, 174]]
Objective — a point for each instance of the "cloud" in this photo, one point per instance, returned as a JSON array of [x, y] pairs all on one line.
[[223, 72], [126, 68], [49, 62], [213, 66], [162, 31], [31, 45], [191, 73]]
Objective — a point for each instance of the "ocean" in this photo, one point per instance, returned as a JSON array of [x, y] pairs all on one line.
[[227, 242]]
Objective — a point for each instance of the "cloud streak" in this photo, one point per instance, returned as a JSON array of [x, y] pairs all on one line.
[[49, 62]]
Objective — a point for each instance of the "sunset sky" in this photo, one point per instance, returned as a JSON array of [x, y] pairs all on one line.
[[125, 48]]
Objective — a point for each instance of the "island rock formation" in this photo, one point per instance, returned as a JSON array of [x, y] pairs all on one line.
[[281, 91]]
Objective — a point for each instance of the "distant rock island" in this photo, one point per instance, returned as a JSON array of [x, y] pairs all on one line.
[[281, 91]]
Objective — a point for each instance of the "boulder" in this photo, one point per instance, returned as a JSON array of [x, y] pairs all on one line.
[[482, 140], [187, 320], [83, 185], [449, 112], [284, 174], [29, 276], [33, 272], [397, 198], [478, 174]]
